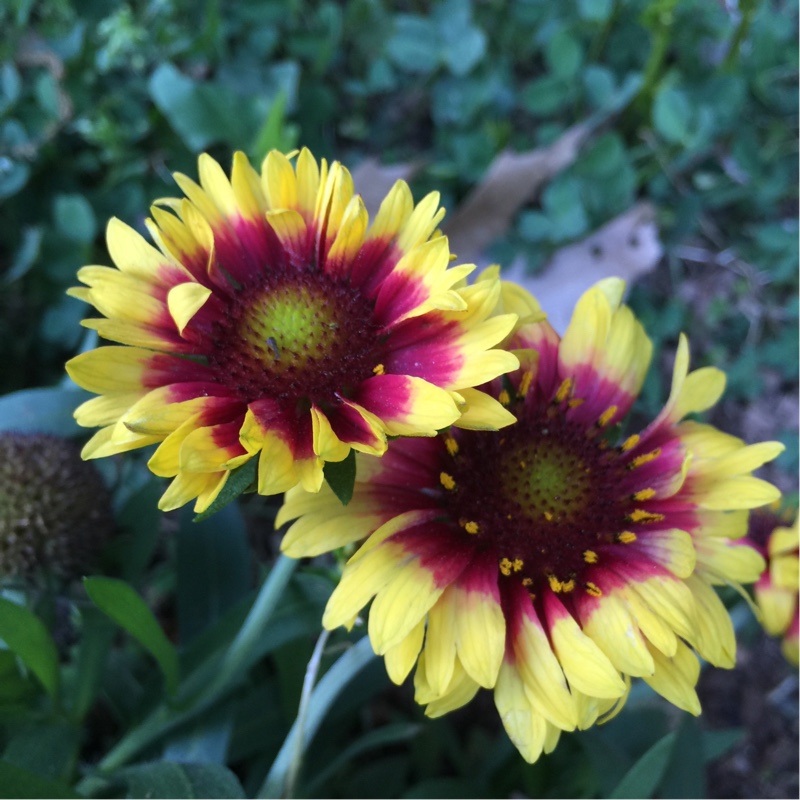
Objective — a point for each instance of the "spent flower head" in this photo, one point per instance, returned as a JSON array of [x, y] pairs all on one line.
[[55, 513]]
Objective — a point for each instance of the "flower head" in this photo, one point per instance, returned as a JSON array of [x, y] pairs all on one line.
[[775, 535], [273, 320], [553, 560], [54, 512]]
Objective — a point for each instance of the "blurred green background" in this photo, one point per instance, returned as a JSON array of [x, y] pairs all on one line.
[[101, 101]]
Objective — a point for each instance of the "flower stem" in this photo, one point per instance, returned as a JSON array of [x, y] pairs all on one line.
[[321, 699], [308, 685]]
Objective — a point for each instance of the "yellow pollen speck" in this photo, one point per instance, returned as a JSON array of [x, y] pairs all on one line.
[[606, 416], [378, 369], [451, 444], [504, 398], [640, 515], [644, 494], [509, 516], [525, 383], [472, 527], [447, 481], [593, 589], [589, 556], [548, 516], [505, 566], [523, 464], [630, 442], [527, 581], [568, 586], [564, 391], [555, 583], [645, 458], [517, 564], [575, 402], [626, 537]]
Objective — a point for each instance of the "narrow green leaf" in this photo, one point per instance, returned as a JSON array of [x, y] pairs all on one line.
[[121, 603], [25, 634], [643, 778], [685, 775], [96, 637], [341, 477], [169, 779], [717, 743], [239, 481], [386, 735], [18, 782]]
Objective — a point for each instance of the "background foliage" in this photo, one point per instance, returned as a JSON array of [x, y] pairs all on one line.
[[100, 101]]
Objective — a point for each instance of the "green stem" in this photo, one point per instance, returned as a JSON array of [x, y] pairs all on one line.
[[308, 684], [237, 659], [740, 34], [322, 698]]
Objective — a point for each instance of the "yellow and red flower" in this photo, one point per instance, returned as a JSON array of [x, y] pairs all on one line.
[[273, 320], [553, 560], [774, 533]]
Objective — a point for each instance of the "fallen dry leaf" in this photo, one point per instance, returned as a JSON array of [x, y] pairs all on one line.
[[626, 247], [511, 181], [373, 180]]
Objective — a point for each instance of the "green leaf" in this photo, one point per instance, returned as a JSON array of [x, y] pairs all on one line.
[[21, 783], [122, 604], [463, 44], [341, 477], [239, 481], [595, 10], [672, 114], [600, 85], [564, 55], [717, 743], [25, 634], [685, 775], [415, 45], [203, 741], [48, 410], [74, 217], [47, 750], [214, 568], [544, 96], [275, 133], [643, 778], [97, 634], [172, 780], [201, 113], [563, 204], [381, 737]]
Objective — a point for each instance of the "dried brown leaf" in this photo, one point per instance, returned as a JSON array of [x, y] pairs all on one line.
[[626, 247]]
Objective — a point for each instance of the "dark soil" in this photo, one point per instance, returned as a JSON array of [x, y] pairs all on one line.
[[761, 696]]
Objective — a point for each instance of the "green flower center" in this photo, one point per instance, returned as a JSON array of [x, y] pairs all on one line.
[[548, 479], [292, 326], [542, 497], [299, 337]]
